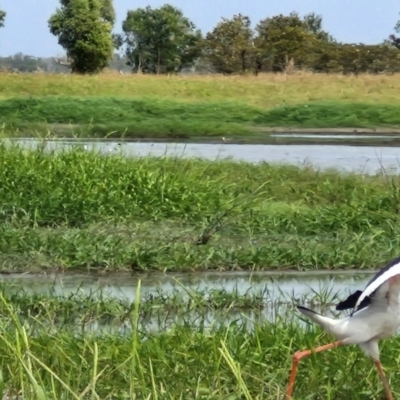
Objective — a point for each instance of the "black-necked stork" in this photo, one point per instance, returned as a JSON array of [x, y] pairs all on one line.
[[375, 316]]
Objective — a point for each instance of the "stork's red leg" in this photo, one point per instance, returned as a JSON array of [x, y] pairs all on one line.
[[298, 356], [384, 380]]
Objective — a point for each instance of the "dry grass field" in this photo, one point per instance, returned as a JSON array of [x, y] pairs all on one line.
[[266, 90]]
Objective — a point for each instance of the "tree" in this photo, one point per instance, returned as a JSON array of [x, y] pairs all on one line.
[[229, 47], [393, 39], [287, 39], [84, 29], [2, 18], [313, 24], [23, 63], [159, 40]]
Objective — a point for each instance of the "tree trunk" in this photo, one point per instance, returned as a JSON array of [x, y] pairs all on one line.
[[158, 61], [139, 68], [243, 57]]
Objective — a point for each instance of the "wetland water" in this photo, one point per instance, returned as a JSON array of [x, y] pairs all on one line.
[[273, 286], [344, 158], [278, 293]]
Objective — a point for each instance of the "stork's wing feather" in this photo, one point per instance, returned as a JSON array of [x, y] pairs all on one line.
[[351, 302], [379, 285]]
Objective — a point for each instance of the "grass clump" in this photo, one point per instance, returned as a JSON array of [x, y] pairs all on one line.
[[77, 209]]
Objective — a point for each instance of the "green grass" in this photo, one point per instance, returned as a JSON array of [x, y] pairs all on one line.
[[79, 210], [154, 117], [332, 115], [43, 356], [116, 117]]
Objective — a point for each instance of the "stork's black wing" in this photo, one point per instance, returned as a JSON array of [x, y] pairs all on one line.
[[351, 302]]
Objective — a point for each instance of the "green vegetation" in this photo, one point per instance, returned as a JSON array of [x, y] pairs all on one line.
[[50, 351], [193, 108], [228, 45], [323, 115], [160, 40], [163, 40], [84, 30], [148, 117], [98, 307], [2, 18], [76, 209], [117, 117]]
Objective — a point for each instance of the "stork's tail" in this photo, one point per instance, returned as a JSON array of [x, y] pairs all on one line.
[[326, 322]]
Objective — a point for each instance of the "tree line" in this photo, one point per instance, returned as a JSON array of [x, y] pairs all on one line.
[[163, 40]]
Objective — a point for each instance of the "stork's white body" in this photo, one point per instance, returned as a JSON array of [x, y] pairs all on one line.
[[367, 326], [375, 316]]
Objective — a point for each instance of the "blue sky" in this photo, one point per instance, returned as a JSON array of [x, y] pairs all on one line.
[[365, 21]]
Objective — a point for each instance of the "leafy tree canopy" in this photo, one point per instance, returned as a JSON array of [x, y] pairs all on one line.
[[84, 29], [313, 24], [393, 39], [229, 47], [352, 58], [2, 18], [284, 39], [159, 40]]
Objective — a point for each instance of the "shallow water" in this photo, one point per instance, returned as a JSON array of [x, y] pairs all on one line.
[[324, 136], [279, 292], [366, 159], [274, 286]]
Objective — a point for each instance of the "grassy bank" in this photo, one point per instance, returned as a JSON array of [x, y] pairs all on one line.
[[78, 210], [193, 107], [43, 358], [154, 117]]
